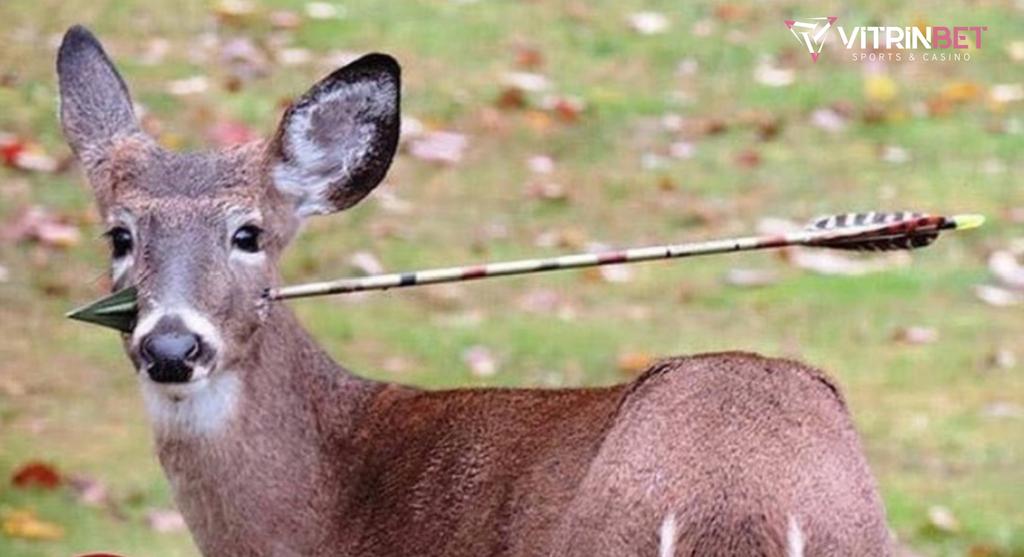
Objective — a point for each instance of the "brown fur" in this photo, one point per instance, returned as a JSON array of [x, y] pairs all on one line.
[[734, 447]]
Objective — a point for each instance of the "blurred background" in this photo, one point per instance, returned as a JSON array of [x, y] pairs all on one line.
[[536, 128]]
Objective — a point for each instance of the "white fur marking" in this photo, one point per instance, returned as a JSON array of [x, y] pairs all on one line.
[[794, 539], [198, 408], [667, 536], [313, 169], [193, 322], [119, 266]]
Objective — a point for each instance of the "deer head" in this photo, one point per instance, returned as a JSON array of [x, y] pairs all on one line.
[[199, 234]]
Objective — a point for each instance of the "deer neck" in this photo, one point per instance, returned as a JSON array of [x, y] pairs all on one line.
[[276, 424]]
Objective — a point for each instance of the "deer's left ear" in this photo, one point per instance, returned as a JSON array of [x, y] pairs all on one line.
[[335, 144]]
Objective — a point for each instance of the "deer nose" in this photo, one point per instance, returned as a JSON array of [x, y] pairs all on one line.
[[170, 356]]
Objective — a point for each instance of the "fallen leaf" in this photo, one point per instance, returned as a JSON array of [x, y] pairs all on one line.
[[547, 191], [234, 11], [37, 224], [540, 300], [880, 88], [188, 86], [89, 491], [942, 520], [1015, 49], [36, 474], [751, 278], [894, 154], [1006, 93], [155, 51], [165, 521], [323, 10], [526, 81], [18, 153], [634, 363], [767, 73], [648, 22], [481, 361], [286, 20], [682, 150], [829, 120], [960, 92], [984, 550], [511, 98], [366, 263], [1002, 409], [1002, 358], [25, 524], [616, 274], [731, 12], [541, 164], [748, 158], [998, 296], [833, 263], [567, 108], [439, 146], [294, 56], [228, 133], [243, 59], [529, 57], [1007, 268], [915, 335]]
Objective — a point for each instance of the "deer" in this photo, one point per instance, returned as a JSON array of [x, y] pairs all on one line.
[[272, 448]]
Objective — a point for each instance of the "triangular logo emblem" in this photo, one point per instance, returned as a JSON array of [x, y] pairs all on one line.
[[811, 32]]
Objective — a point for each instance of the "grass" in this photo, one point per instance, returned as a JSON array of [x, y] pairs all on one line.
[[923, 410]]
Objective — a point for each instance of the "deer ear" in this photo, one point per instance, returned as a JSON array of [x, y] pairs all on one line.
[[95, 107], [335, 144]]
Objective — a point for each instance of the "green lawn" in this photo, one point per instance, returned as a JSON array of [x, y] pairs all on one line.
[[942, 427]]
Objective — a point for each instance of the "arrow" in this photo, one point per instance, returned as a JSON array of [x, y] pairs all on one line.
[[852, 231]]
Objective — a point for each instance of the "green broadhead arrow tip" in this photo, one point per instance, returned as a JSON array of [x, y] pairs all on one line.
[[116, 311]]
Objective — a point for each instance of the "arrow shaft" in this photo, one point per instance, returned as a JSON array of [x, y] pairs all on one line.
[[817, 238]]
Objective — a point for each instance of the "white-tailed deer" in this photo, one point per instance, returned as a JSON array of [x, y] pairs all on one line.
[[271, 448]]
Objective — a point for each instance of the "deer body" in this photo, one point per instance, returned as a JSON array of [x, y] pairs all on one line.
[[273, 449]]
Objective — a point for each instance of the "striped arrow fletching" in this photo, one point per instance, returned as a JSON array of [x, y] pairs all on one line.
[[900, 230]]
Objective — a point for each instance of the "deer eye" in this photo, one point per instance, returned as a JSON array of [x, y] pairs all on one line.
[[120, 241], [247, 238]]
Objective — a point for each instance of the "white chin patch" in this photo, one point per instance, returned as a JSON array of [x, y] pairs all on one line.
[[201, 407]]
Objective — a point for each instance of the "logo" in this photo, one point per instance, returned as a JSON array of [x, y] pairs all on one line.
[[812, 33], [890, 43]]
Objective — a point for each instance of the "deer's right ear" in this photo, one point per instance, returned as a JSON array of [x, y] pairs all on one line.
[[336, 142], [95, 107]]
